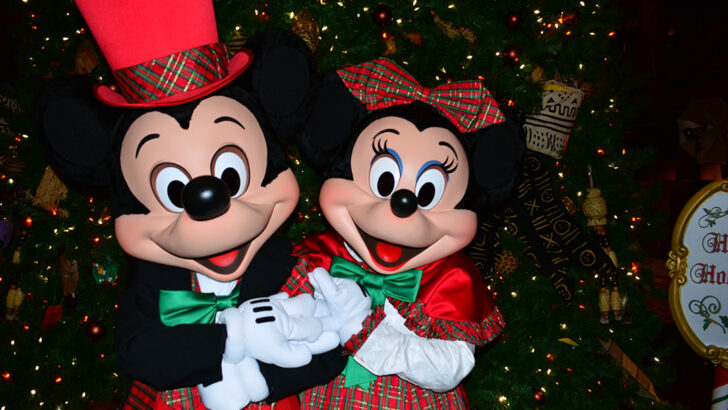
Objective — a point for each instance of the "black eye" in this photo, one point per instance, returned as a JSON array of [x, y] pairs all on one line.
[[168, 180], [231, 165], [430, 187], [383, 176]]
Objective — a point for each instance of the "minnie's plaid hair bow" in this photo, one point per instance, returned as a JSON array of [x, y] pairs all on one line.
[[381, 83]]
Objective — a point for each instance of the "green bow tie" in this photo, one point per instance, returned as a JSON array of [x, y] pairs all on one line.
[[181, 307], [401, 286]]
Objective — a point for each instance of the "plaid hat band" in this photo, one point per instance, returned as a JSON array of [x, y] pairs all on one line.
[[381, 83], [174, 74]]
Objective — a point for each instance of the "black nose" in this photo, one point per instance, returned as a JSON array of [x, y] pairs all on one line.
[[205, 197], [403, 203]]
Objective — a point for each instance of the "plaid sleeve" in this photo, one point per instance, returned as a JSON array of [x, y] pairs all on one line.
[[370, 323], [298, 282], [430, 327]]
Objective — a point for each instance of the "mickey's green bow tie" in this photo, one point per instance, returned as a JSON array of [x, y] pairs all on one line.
[[179, 307]]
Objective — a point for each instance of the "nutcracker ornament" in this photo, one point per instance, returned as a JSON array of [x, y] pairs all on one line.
[[595, 209], [406, 168], [187, 139]]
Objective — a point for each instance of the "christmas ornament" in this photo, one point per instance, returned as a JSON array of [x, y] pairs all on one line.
[[87, 57], [16, 255], [506, 263], [52, 316], [513, 20], [13, 302], [631, 372], [50, 192], [107, 273], [415, 38], [536, 75], [539, 397], [595, 209], [451, 31], [236, 43], [306, 27], [10, 103], [95, 331], [547, 131], [571, 18], [6, 233], [11, 166], [391, 45], [69, 278], [512, 54], [382, 15]]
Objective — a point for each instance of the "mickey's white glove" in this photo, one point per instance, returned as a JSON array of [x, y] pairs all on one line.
[[347, 303], [241, 384], [282, 331]]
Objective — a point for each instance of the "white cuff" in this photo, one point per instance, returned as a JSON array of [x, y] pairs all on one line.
[[434, 364]]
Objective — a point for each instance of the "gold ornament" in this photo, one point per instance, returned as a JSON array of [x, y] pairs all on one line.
[[236, 43], [391, 46], [16, 256], [595, 207], [50, 192], [536, 75], [307, 28], [451, 31], [13, 302], [87, 57], [506, 263]]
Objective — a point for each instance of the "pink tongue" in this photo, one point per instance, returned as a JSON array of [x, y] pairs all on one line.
[[225, 259], [389, 253]]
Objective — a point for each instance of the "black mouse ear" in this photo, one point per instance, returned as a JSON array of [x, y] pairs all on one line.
[[336, 112], [282, 78], [74, 128], [496, 161]]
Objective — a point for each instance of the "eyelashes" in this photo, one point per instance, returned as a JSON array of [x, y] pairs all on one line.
[[449, 165], [379, 147]]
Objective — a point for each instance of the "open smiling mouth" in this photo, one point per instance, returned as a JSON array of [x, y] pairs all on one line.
[[225, 262], [387, 255]]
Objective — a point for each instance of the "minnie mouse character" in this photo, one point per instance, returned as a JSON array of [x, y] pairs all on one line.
[[407, 167], [187, 142]]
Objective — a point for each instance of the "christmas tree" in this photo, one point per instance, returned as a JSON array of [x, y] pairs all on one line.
[[578, 331]]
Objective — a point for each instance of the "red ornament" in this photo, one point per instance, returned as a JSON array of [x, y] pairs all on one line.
[[513, 20], [512, 54], [95, 331], [539, 396], [52, 316], [382, 15]]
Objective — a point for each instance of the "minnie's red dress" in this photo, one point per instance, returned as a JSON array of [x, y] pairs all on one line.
[[453, 310]]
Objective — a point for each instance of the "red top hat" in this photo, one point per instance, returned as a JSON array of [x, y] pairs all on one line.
[[161, 52]]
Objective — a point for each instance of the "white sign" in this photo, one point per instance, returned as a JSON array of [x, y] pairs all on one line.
[[698, 264]]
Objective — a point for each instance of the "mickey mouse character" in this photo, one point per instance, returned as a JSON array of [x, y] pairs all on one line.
[[407, 167], [187, 141]]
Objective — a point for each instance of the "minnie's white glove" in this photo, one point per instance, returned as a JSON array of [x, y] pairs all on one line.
[[348, 304]]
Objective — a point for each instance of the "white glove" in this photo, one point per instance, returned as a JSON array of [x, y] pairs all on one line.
[[282, 331], [226, 394], [235, 342], [347, 303]]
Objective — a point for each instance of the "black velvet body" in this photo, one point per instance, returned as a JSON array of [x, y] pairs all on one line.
[[185, 355]]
